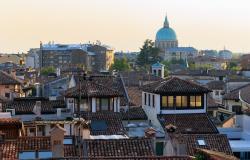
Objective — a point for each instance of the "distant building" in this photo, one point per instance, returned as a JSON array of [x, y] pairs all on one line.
[[92, 57], [180, 53], [32, 58], [225, 54], [209, 53], [10, 86], [166, 38]]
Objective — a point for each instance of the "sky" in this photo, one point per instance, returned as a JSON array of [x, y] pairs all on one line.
[[124, 24]]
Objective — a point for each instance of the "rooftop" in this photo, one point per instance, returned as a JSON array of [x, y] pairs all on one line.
[[7, 79], [174, 85], [198, 123]]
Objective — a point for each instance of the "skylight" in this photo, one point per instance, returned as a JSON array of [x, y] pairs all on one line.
[[98, 125], [201, 142], [44, 154], [67, 141], [27, 155]]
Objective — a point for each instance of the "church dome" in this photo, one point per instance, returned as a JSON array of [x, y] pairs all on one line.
[[166, 33]]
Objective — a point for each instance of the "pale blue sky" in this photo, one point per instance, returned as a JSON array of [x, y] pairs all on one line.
[[124, 24]]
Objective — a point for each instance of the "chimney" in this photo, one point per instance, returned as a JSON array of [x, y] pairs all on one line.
[[170, 128], [85, 130], [56, 138], [151, 133], [13, 73], [38, 91]]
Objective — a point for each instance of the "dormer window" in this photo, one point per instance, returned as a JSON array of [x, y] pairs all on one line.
[[181, 102]]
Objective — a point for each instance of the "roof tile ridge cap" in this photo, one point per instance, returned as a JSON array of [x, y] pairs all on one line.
[[162, 82]]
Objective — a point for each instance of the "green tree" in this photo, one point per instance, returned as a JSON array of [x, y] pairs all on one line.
[[120, 65], [46, 70], [148, 55]]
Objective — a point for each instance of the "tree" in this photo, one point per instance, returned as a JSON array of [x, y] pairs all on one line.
[[120, 65], [148, 55], [46, 70]]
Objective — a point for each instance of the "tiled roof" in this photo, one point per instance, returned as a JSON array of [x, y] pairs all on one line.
[[211, 102], [10, 121], [174, 85], [10, 127], [209, 154], [93, 89], [26, 106], [201, 72], [7, 79], [113, 121], [216, 85], [214, 142], [245, 94], [135, 94], [133, 78], [198, 123], [134, 113], [234, 94], [11, 148], [120, 147]]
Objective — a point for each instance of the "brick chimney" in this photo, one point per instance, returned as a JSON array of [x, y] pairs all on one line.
[[150, 132], [85, 130], [56, 138]]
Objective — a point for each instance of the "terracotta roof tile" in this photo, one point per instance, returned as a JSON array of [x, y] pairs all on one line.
[[113, 120], [214, 142], [26, 106], [198, 123], [216, 85], [174, 85], [120, 147], [11, 148], [6, 79], [134, 113]]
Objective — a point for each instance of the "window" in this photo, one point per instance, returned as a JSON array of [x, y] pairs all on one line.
[[67, 141], [198, 101], [181, 102], [7, 95], [149, 99], [195, 101], [170, 101], [178, 101], [145, 99], [164, 101], [184, 101], [105, 104], [153, 100], [27, 155], [192, 101], [201, 142], [217, 93]]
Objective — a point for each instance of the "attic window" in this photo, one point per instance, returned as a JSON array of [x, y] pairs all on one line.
[[201, 142]]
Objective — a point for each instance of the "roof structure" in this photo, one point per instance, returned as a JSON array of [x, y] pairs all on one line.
[[111, 120], [120, 148], [174, 85], [11, 149], [245, 94], [214, 142], [7, 79], [91, 89], [198, 123], [216, 85], [27, 106]]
